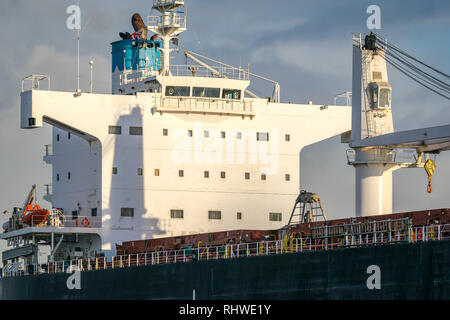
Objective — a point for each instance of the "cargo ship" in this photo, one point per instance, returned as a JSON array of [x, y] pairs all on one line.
[[184, 184]]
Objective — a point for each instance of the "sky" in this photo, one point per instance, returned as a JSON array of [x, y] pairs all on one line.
[[304, 45]]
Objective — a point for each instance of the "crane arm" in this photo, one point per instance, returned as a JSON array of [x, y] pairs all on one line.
[[28, 200]]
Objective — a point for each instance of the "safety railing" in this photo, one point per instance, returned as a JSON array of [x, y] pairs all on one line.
[[167, 20], [48, 189], [56, 219], [209, 105], [401, 156], [134, 76], [200, 71], [262, 248]]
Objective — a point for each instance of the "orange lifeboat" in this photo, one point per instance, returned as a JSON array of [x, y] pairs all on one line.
[[32, 214]]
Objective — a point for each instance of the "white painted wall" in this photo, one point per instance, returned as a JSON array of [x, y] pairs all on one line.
[[152, 196]]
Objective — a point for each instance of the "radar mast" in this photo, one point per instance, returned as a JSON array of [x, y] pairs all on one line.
[[169, 24]]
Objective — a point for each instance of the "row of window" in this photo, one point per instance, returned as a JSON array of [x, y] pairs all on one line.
[[133, 131], [68, 176], [140, 171], [182, 91], [58, 136], [217, 215], [137, 131], [260, 136], [76, 212], [179, 214], [115, 170], [287, 176]]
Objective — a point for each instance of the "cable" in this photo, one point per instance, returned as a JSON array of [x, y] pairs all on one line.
[[402, 70], [408, 74], [398, 59], [409, 56], [443, 85], [436, 83]]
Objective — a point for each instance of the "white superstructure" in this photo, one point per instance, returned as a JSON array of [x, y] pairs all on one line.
[[180, 151]]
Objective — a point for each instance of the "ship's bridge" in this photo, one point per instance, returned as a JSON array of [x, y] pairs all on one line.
[[136, 68]]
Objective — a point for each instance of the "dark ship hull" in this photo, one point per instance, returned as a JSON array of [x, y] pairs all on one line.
[[407, 271]]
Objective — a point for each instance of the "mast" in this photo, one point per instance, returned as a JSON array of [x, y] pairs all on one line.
[[169, 24]]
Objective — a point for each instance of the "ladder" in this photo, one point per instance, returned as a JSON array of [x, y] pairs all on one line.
[[370, 121]]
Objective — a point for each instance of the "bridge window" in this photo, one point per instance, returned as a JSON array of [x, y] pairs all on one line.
[[93, 212], [206, 92], [177, 214], [74, 214], [215, 215], [231, 94], [173, 91]]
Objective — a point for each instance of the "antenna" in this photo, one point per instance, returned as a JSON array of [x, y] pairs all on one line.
[[170, 23], [78, 62], [91, 66]]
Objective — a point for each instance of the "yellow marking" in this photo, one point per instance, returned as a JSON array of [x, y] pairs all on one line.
[[430, 167]]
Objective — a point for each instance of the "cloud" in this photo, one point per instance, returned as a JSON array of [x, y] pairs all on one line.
[[314, 56], [61, 66]]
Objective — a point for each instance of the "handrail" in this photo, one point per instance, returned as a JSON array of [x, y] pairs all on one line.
[[59, 220], [239, 250], [204, 104], [134, 76]]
